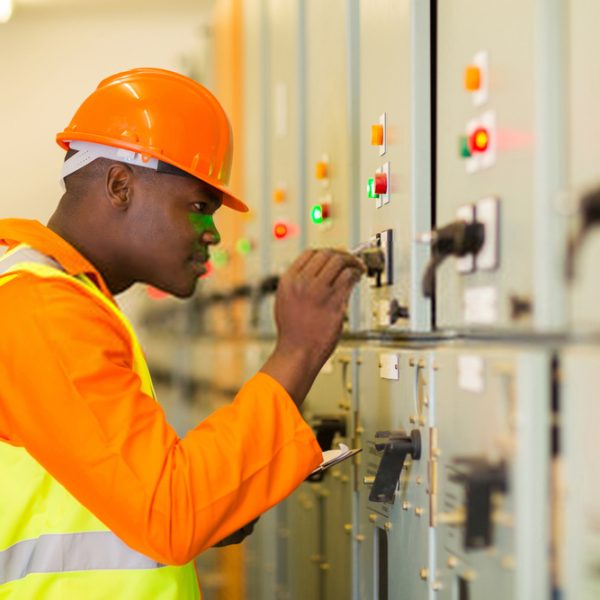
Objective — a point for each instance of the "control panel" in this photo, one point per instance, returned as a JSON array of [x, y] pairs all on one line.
[[485, 162], [395, 158]]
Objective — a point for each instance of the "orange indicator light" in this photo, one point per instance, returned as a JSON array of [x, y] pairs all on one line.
[[376, 135], [321, 170], [472, 78], [278, 195]]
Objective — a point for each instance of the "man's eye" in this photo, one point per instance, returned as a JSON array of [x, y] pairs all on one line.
[[200, 207]]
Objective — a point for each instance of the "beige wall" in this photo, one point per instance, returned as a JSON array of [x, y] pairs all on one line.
[[52, 58]]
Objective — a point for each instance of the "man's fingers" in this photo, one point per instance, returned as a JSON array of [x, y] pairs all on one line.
[[345, 283], [336, 265], [299, 264]]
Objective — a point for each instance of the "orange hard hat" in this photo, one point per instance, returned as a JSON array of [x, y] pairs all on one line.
[[161, 115]]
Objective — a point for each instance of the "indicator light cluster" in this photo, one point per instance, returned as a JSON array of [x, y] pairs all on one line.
[[320, 213], [475, 143]]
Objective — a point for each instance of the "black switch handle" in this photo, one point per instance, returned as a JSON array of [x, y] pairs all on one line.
[[326, 426], [399, 445], [589, 217], [481, 480], [456, 239]]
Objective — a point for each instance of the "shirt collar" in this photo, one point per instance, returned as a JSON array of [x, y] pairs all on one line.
[[24, 231]]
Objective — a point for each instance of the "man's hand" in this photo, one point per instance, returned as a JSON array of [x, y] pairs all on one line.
[[237, 537], [311, 301]]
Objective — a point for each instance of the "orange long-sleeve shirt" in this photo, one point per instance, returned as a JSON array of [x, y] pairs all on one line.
[[69, 396]]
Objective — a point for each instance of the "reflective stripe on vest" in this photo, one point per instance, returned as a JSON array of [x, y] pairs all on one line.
[[51, 546], [87, 551]]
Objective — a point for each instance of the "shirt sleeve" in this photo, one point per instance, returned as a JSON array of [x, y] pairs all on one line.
[[72, 399]]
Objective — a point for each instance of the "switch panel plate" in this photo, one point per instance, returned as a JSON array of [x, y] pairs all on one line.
[[388, 366], [466, 264], [383, 123], [487, 211], [480, 305], [385, 198], [486, 159], [480, 60], [385, 240]]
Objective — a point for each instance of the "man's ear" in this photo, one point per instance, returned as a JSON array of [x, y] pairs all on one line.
[[119, 181]]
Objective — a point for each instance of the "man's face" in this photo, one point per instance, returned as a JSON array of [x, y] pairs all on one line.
[[173, 217]]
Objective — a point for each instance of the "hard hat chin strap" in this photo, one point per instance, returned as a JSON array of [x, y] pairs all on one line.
[[89, 151]]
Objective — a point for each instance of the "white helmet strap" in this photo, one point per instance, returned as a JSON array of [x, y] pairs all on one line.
[[89, 151]]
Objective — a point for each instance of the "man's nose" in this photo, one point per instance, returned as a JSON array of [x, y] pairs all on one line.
[[210, 236]]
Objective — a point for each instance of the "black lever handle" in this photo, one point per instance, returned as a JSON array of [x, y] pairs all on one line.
[[456, 239], [398, 446], [481, 479]]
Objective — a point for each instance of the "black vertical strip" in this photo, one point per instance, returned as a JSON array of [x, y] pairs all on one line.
[[382, 562], [463, 589], [555, 408], [433, 74]]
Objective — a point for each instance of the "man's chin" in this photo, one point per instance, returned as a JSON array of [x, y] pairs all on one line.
[[180, 291]]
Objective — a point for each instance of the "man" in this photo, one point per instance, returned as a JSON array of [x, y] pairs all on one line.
[[100, 498]]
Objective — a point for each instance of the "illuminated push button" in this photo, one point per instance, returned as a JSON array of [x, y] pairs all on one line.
[[371, 188], [480, 140], [244, 246], [320, 212], [376, 135], [463, 145], [381, 183], [472, 78], [155, 293], [280, 230], [278, 195], [220, 258], [321, 171]]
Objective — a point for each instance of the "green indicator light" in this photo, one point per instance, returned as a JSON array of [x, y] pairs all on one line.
[[371, 188], [219, 258], [316, 214], [243, 246], [465, 151]]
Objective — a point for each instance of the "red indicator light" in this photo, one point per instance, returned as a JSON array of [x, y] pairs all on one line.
[[155, 293], [280, 231], [209, 269], [381, 183], [480, 140]]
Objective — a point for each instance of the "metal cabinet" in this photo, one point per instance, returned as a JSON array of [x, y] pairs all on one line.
[[396, 414], [395, 157], [320, 513], [491, 460], [581, 90], [495, 127], [330, 122], [577, 489]]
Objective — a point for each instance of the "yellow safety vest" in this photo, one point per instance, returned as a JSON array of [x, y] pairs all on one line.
[[51, 546]]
